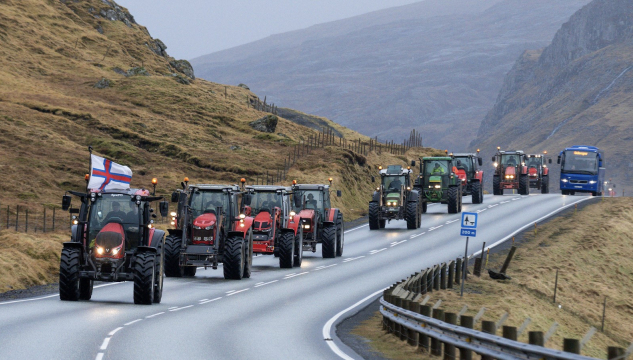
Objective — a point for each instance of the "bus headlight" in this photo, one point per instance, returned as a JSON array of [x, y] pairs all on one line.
[[592, 181]]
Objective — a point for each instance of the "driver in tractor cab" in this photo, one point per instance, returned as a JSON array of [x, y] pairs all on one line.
[[270, 203], [213, 204], [311, 203], [459, 165], [437, 170], [132, 216], [115, 213], [512, 161], [395, 184]]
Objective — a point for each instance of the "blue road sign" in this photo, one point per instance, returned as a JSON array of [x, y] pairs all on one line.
[[469, 232], [469, 220]]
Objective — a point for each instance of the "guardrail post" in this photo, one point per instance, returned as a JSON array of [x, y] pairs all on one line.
[[424, 282], [430, 280], [536, 338], [404, 332], [458, 270], [443, 277], [571, 346], [491, 328], [477, 269], [614, 352], [423, 342], [436, 277], [467, 322], [510, 332], [414, 336], [436, 345], [397, 327], [449, 350], [451, 274]]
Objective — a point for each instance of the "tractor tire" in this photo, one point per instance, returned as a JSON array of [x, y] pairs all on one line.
[[144, 273], [172, 256], [189, 271], [248, 264], [159, 277], [524, 185], [328, 243], [412, 216], [478, 193], [545, 185], [496, 185], [382, 223], [298, 258], [234, 259], [85, 289], [69, 274], [340, 236], [425, 206], [453, 200], [374, 216], [286, 250]]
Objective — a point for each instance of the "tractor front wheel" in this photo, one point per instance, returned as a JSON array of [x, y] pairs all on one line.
[[477, 193], [545, 185], [144, 273], [413, 218], [298, 258], [524, 185], [340, 236], [233, 261], [248, 264], [453, 200], [286, 250], [374, 216], [328, 243], [158, 277], [172, 256], [85, 289], [496, 185], [424, 207], [69, 274]]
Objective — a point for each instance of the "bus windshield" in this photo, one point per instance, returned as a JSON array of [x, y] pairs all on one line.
[[580, 162]]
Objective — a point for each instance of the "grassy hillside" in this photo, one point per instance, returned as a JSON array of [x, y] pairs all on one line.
[[149, 115]]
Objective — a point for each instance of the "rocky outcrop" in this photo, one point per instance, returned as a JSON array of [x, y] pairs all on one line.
[[158, 47], [103, 84], [266, 124], [183, 66]]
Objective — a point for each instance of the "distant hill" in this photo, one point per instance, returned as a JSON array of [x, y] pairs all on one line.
[[576, 91], [435, 65]]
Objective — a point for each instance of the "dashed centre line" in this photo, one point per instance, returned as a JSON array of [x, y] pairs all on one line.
[[236, 292], [397, 243], [132, 322], [105, 343], [151, 316], [266, 283], [324, 267], [452, 221], [114, 331], [356, 258], [181, 308], [374, 252], [435, 227], [295, 275], [416, 235], [208, 301]]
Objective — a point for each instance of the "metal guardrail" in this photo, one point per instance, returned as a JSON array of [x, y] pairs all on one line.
[[464, 338]]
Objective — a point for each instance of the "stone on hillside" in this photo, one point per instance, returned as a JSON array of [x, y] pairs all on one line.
[[184, 67], [181, 79], [266, 124], [137, 71], [120, 71], [103, 84], [158, 47], [234, 147], [244, 86]]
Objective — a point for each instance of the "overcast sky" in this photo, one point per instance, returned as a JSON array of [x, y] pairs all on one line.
[[191, 28]]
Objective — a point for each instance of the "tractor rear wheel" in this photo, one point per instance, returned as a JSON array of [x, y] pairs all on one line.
[[233, 261], [69, 274], [424, 207], [374, 216], [478, 193], [328, 243], [172, 256], [453, 200], [340, 236], [524, 185], [298, 258], [496, 185], [412, 216], [248, 264], [545, 185], [286, 250], [144, 273], [158, 277]]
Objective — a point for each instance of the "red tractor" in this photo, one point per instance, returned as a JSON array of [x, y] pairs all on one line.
[[113, 239], [467, 168], [538, 172], [209, 229], [320, 222], [511, 172], [276, 227]]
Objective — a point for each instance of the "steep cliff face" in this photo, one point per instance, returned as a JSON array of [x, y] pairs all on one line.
[[578, 90]]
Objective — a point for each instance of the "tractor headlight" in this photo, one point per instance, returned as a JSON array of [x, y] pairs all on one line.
[[438, 186], [495, 164], [242, 216], [306, 226], [100, 250], [208, 228], [241, 224], [408, 188], [173, 223], [173, 214], [116, 251], [292, 213], [197, 227], [378, 189]]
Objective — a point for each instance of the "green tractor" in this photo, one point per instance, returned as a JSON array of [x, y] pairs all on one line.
[[438, 183], [395, 199]]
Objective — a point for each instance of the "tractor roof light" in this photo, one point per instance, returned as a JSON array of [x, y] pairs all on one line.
[[477, 150], [498, 147], [294, 182], [154, 181], [242, 180], [186, 179], [380, 167], [87, 177], [545, 152]]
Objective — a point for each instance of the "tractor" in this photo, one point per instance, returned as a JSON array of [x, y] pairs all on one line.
[[276, 226], [113, 239], [472, 176], [209, 229], [510, 172], [538, 173], [320, 222], [439, 183], [395, 199]]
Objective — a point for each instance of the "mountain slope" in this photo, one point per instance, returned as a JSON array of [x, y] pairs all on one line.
[[576, 91], [436, 65]]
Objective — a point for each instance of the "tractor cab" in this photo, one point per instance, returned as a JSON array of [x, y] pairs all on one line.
[[395, 180], [270, 206], [511, 171], [538, 171], [395, 199], [435, 176], [467, 169]]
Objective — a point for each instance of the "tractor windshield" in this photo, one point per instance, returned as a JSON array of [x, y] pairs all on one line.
[[308, 199], [265, 201], [534, 162], [580, 162], [464, 163], [510, 160], [393, 182], [206, 202], [436, 167], [115, 208]]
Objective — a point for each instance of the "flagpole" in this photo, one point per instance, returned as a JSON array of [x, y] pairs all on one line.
[[89, 169]]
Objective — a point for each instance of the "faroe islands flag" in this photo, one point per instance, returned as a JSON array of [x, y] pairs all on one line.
[[107, 175]]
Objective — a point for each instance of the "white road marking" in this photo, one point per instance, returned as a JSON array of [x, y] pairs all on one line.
[[181, 308], [356, 258], [237, 292], [398, 243], [114, 331], [435, 227], [263, 284], [481, 210], [173, 307], [230, 291], [151, 316], [415, 236], [106, 341], [356, 228], [328, 327], [491, 206], [324, 267], [203, 300], [54, 295], [513, 199], [374, 252], [295, 275], [99, 356], [208, 301], [132, 322], [452, 221], [504, 202]]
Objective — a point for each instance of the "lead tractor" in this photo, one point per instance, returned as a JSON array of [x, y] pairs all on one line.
[[439, 183], [395, 199], [209, 229], [538, 172], [467, 168], [511, 172], [320, 222], [276, 228], [113, 239]]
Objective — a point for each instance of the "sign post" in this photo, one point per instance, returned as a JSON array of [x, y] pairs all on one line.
[[469, 228]]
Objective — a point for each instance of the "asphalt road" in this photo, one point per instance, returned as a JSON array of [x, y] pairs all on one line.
[[276, 314]]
